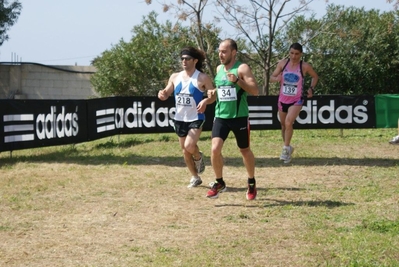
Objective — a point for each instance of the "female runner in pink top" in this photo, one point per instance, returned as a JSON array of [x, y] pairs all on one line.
[[290, 74]]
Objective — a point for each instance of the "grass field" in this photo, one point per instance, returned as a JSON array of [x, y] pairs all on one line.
[[123, 201]]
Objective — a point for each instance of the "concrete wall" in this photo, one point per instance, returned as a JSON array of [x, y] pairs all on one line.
[[36, 81]]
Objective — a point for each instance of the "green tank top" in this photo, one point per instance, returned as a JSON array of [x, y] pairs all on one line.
[[231, 99]]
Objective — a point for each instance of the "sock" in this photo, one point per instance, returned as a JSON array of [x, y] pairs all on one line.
[[220, 181], [251, 180]]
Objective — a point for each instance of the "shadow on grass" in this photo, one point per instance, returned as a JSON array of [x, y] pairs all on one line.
[[269, 202], [244, 189], [259, 202], [333, 161], [71, 155], [279, 203], [307, 203], [128, 143], [123, 144]]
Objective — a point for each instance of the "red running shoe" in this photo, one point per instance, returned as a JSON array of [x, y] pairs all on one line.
[[251, 192], [216, 188]]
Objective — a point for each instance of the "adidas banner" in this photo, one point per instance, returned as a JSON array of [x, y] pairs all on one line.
[[38, 123]]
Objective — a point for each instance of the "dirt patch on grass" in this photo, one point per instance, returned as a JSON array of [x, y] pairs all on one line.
[[73, 213]]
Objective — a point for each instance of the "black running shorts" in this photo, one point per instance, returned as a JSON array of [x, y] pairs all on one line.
[[182, 128], [239, 126]]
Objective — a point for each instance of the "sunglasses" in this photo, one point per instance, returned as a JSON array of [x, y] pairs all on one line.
[[186, 58]]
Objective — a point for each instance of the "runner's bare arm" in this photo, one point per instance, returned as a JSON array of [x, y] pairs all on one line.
[[246, 80], [168, 90]]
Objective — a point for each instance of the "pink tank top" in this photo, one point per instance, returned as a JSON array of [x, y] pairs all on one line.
[[292, 85]]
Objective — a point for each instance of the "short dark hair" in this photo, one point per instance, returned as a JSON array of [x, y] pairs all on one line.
[[232, 44], [297, 46], [195, 53]]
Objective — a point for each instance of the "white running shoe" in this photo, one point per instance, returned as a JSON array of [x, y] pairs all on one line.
[[195, 181], [395, 140], [286, 154], [200, 164], [291, 150]]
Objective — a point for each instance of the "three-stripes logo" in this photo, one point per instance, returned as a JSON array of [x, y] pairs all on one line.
[[24, 127], [18, 128], [105, 120], [134, 117], [261, 115]]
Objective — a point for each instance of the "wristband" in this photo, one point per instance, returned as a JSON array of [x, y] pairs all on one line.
[[236, 80]]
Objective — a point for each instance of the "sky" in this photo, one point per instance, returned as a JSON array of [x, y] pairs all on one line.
[[74, 32]]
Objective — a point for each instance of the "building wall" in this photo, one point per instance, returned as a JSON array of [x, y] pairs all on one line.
[[36, 81]]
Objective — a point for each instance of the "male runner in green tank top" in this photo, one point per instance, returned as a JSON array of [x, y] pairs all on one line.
[[234, 81]]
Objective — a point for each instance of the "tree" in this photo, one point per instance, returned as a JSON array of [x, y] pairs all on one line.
[[395, 3], [260, 22], [357, 54], [205, 34], [9, 14], [256, 24], [143, 65]]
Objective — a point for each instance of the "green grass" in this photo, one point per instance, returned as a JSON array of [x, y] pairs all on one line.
[[123, 201]]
